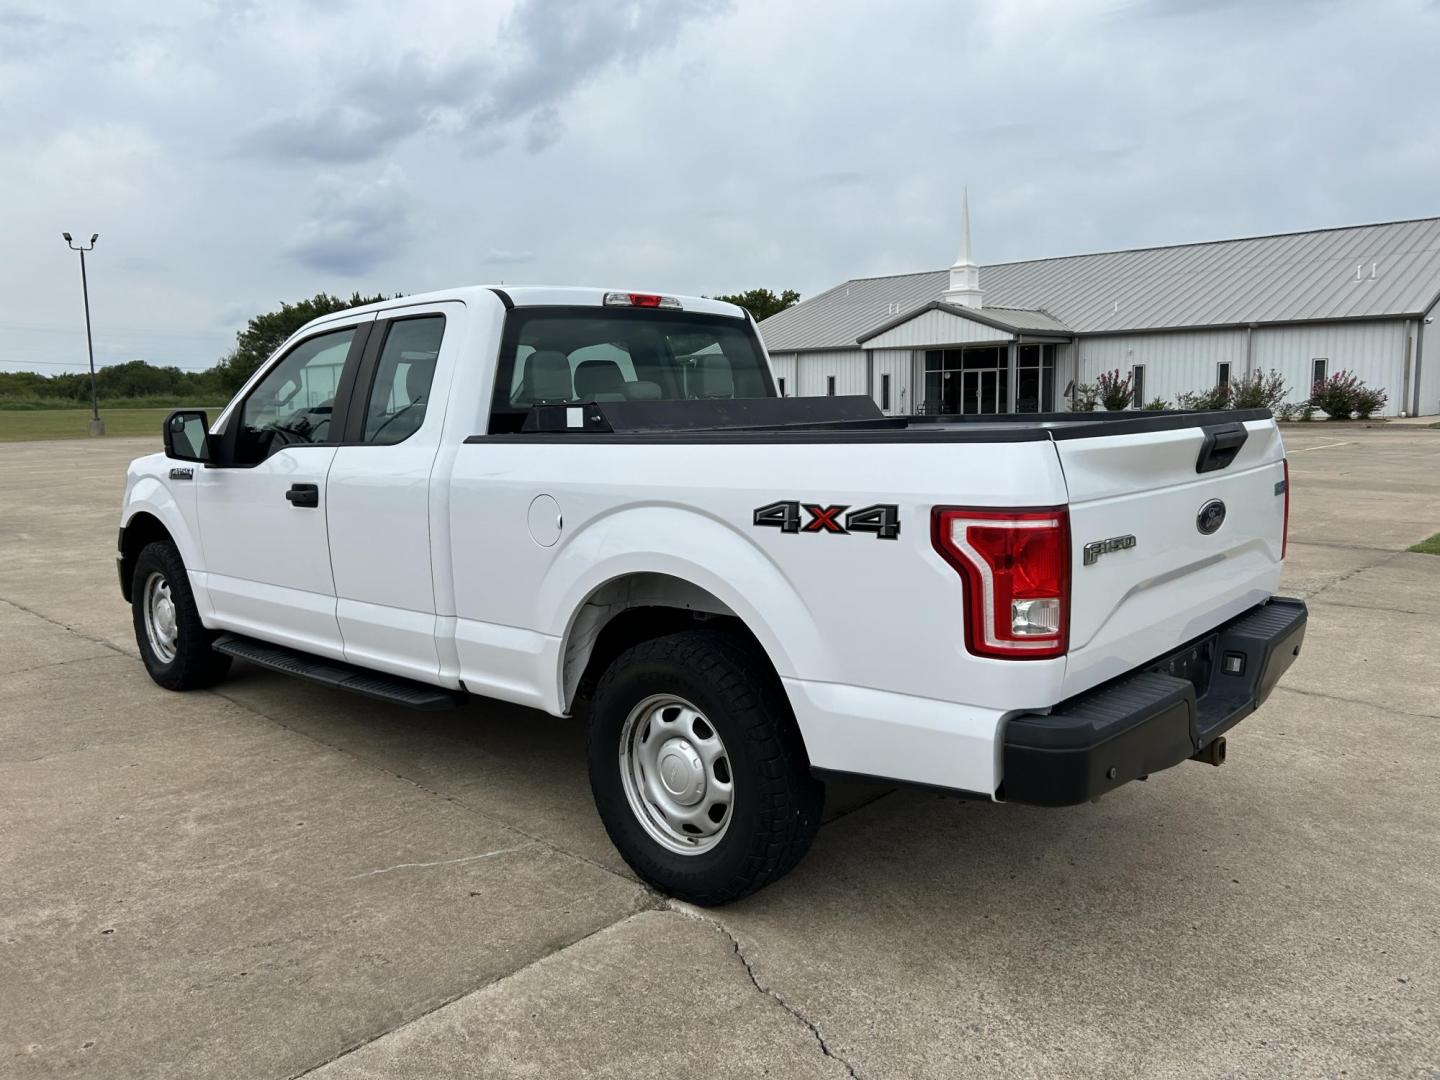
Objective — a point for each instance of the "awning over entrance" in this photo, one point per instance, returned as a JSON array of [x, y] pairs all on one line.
[[977, 360], [938, 323]]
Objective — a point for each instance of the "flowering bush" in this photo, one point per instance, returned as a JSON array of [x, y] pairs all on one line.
[[1343, 393], [1258, 391], [1115, 393]]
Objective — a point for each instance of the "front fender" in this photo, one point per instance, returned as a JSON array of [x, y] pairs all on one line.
[[695, 548], [147, 493]]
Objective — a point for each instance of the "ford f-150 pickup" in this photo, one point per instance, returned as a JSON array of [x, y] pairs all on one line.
[[595, 503]]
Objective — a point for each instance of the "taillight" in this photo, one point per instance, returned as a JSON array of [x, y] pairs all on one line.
[[1016, 569], [640, 299], [1285, 529]]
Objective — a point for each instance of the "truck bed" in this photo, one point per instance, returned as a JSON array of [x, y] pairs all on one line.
[[839, 419]]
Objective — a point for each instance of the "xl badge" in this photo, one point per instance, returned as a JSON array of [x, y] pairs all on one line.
[[1211, 516], [1096, 548]]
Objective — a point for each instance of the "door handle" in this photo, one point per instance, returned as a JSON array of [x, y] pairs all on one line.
[[303, 495]]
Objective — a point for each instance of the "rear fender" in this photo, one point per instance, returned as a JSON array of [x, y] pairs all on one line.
[[693, 548]]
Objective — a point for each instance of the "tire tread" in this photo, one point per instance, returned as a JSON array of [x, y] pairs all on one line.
[[789, 797]]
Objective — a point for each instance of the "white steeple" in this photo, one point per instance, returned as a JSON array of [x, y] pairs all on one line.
[[964, 287]]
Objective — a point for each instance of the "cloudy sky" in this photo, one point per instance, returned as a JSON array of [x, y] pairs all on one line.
[[236, 153]]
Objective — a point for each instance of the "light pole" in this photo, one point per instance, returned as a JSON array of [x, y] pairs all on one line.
[[97, 426]]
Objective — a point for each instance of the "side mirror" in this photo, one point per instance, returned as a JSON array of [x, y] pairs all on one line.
[[187, 435]]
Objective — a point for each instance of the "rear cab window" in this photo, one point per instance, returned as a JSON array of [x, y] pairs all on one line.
[[559, 355]]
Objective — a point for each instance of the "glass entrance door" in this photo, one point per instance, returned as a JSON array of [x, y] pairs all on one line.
[[969, 381]]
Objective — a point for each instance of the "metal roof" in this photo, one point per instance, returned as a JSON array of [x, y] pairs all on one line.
[[1291, 277]]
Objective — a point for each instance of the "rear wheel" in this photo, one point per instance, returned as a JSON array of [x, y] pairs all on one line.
[[698, 770], [173, 641]]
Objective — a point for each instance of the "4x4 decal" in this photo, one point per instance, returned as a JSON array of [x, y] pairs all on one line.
[[882, 519]]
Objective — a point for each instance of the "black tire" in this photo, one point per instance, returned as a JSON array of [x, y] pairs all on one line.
[[195, 664], [776, 803]]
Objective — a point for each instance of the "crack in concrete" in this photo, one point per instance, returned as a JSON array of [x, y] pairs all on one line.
[[779, 998], [536, 840], [1344, 547], [649, 901], [440, 862], [70, 629], [1372, 607], [1348, 574], [59, 663], [1357, 701]]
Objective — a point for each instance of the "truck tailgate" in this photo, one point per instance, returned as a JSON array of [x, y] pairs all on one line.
[[1157, 577]]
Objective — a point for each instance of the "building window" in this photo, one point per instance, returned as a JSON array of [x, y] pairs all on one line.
[[829, 385], [885, 391], [1138, 376], [1319, 370], [1034, 378], [1222, 374], [781, 381]]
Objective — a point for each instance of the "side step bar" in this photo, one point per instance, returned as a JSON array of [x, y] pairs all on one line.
[[342, 676]]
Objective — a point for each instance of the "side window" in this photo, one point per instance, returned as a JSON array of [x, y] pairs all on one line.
[[1318, 368], [1222, 373], [401, 391], [292, 404]]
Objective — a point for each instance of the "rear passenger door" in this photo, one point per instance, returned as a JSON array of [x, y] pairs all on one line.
[[378, 492]]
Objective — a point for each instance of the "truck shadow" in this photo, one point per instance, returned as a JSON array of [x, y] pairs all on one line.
[[516, 765], [528, 770]]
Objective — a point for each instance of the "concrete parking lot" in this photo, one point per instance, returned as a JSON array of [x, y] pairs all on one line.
[[275, 880]]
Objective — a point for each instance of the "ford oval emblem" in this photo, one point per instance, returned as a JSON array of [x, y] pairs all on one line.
[[1211, 516]]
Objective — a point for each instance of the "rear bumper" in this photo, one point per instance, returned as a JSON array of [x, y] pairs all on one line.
[[1155, 717]]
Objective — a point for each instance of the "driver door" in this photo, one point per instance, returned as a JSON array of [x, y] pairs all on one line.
[[262, 510]]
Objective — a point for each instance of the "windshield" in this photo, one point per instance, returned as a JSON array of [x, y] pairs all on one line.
[[556, 355]]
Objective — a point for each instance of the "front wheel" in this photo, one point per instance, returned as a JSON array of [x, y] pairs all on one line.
[[173, 641], [698, 769]]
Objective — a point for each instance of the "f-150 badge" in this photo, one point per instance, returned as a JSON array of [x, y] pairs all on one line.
[[1096, 548], [882, 519]]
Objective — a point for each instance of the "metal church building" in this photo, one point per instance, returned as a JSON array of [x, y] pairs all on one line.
[[1018, 337]]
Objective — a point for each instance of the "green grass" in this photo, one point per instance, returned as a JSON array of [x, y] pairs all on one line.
[[1428, 547], [27, 424]]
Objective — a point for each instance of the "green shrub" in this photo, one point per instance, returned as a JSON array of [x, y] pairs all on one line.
[[1217, 397], [1115, 393], [1156, 404], [1087, 398], [1258, 391], [161, 401], [1369, 401]]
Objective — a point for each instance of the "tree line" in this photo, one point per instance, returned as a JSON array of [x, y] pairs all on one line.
[[138, 379]]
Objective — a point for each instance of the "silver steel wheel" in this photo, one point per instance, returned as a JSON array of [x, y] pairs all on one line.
[[676, 774], [161, 628]]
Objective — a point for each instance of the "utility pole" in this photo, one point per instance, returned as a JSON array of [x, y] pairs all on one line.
[[97, 426]]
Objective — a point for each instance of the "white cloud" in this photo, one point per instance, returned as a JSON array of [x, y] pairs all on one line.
[[236, 153]]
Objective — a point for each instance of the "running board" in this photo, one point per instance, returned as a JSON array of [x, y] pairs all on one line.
[[342, 676]]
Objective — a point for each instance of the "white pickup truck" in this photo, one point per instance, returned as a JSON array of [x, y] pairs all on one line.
[[594, 502]]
